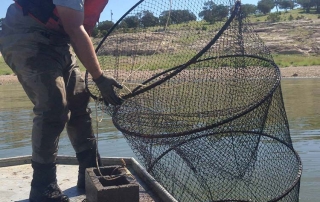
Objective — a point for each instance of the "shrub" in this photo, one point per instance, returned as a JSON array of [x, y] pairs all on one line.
[[300, 17], [290, 18], [274, 17]]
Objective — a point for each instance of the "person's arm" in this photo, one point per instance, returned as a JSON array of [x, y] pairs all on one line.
[[72, 21]]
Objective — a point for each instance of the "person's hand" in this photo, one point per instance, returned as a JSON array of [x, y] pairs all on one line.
[[105, 85]]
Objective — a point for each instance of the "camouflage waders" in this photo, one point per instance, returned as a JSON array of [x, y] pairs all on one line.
[[48, 72]]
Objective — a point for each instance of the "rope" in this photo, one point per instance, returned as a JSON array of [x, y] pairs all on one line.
[[123, 163]]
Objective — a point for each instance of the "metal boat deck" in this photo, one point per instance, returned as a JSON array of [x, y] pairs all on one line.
[[16, 175]]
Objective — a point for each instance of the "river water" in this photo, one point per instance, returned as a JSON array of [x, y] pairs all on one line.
[[301, 98]]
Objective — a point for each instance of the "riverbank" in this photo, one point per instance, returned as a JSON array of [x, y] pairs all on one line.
[[286, 72]]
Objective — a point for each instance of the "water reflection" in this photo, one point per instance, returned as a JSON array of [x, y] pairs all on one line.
[[301, 98], [302, 102], [16, 122]]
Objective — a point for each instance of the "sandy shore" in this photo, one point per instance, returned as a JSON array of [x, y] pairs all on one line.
[[287, 72], [301, 72]]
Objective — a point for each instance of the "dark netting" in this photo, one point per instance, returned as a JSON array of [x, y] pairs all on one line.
[[203, 107]]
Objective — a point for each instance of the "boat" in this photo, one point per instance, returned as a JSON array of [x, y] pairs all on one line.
[[16, 176]]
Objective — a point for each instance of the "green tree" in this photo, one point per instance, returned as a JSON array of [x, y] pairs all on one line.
[[148, 19], [305, 4], [265, 6], [316, 3], [164, 18], [123, 25], [105, 25], [286, 4], [95, 32], [248, 9], [184, 16], [132, 21], [212, 12], [276, 4], [176, 17]]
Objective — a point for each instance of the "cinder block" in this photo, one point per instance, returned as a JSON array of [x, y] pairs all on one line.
[[115, 185]]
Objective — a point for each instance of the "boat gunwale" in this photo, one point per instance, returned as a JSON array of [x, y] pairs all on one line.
[[155, 186]]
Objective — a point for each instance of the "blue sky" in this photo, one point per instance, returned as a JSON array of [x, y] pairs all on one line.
[[118, 7]]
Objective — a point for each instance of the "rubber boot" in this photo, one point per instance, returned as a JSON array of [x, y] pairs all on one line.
[[86, 159], [44, 187]]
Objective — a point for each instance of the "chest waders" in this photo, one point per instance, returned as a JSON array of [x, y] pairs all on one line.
[[50, 76]]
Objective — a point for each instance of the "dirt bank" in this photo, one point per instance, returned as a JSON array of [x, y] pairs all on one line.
[[286, 72]]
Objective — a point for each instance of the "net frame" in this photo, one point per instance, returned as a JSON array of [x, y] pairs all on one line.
[[153, 148]]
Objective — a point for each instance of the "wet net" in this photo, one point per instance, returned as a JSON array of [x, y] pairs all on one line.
[[203, 107]]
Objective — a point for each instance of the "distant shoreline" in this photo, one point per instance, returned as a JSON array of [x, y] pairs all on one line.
[[286, 72]]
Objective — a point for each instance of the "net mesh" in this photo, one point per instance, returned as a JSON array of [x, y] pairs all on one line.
[[203, 107]]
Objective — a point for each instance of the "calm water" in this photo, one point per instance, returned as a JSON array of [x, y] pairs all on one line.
[[302, 102]]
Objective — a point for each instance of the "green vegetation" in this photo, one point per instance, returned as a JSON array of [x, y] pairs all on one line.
[[296, 60], [174, 60], [4, 69], [148, 62], [213, 13], [211, 24], [82, 68], [295, 14]]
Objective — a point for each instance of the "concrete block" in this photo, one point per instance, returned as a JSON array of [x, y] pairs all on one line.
[[115, 185]]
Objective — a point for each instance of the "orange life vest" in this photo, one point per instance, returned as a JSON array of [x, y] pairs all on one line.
[[46, 12]]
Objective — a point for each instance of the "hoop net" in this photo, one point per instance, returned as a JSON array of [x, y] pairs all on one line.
[[203, 107]]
